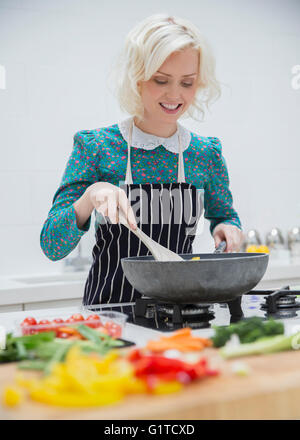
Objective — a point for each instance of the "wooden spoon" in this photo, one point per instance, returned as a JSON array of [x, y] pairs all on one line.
[[159, 252]]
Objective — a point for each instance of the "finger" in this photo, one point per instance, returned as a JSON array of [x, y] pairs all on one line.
[[102, 194], [112, 207], [237, 240], [218, 240], [126, 208], [102, 209], [218, 236], [229, 241]]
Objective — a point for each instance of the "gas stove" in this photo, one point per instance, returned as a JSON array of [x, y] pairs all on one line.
[[150, 313]]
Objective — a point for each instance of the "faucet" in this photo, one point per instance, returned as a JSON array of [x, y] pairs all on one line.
[[77, 263]]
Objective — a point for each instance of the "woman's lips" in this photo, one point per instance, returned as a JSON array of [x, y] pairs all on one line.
[[167, 110]]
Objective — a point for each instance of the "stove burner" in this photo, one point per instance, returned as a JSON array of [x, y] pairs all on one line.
[[173, 314], [280, 299], [286, 301], [193, 325], [180, 313], [188, 310], [283, 314]]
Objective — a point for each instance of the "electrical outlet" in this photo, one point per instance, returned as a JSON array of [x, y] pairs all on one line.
[[2, 78]]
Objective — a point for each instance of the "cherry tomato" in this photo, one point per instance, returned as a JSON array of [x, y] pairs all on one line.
[[29, 331], [70, 320], [29, 321], [103, 330], [63, 335], [77, 317], [32, 331], [44, 325], [114, 330], [44, 321], [93, 318], [93, 324], [58, 321], [93, 321]]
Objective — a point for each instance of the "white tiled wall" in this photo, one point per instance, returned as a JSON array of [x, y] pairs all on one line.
[[56, 55]]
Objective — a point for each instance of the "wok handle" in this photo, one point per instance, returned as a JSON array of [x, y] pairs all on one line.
[[221, 248]]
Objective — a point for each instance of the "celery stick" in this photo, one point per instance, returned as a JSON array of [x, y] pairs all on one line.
[[35, 364], [57, 357], [266, 345]]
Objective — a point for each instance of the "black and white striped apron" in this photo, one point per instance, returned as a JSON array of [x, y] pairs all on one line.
[[167, 212]]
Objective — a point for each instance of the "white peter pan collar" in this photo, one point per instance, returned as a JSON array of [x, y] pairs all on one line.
[[148, 141]]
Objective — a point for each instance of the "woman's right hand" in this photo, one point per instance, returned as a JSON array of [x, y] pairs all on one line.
[[107, 199]]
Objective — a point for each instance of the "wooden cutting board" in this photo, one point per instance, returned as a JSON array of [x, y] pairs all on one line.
[[270, 391]]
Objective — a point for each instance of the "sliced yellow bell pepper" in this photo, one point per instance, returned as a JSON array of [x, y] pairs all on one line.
[[262, 248], [167, 387], [13, 396], [84, 380], [71, 399]]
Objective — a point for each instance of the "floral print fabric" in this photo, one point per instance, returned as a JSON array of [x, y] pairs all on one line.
[[101, 155]]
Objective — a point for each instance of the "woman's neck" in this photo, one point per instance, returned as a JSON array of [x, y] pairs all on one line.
[[157, 129]]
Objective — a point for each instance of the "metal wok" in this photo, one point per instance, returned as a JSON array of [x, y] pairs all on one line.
[[213, 278]]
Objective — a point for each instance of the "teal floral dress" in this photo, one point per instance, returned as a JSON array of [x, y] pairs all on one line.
[[100, 155]]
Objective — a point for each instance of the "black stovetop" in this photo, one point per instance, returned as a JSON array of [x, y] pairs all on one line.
[[278, 304]]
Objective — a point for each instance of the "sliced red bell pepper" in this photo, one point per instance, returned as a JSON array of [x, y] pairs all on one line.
[[167, 369]]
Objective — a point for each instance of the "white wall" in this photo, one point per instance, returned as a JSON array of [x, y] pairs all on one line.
[[57, 54]]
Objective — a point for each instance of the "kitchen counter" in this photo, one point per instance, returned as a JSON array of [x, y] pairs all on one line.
[[36, 291]]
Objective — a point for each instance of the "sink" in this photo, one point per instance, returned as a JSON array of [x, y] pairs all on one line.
[[53, 278]]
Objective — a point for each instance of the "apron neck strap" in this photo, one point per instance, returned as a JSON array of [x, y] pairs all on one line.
[[128, 178]]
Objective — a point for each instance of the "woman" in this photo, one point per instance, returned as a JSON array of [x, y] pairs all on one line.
[[166, 71]]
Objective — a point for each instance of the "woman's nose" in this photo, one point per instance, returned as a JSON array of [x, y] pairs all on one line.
[[173, 93]]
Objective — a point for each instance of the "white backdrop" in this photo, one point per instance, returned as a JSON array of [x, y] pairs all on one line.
[[56, 55]]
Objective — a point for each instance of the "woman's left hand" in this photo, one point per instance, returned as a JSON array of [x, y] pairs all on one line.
[[233, 236]]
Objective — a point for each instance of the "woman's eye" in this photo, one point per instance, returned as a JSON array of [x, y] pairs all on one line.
[[165, 82], [160, 82]]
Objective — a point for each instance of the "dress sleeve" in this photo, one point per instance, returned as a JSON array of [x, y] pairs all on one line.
[[218, 202], [60, 234]]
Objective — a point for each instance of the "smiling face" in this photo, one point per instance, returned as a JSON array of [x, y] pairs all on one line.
[[174, 84]]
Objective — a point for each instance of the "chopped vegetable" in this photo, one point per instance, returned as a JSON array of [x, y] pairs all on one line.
[[58, 356], [181, 340], [30, 326], [12, 396], [2, 338], [262, 248], [82, 380], [46, 347], [78, 379], [34, 364], [22, 347], [154, 369], [248, 330], [240, 368], [271, 344]]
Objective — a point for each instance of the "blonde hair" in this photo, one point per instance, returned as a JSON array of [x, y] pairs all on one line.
[[146, 48]]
